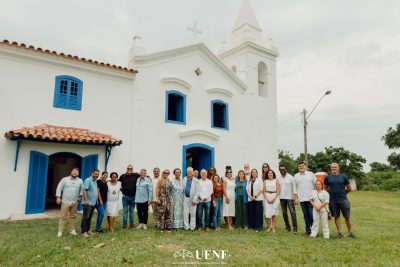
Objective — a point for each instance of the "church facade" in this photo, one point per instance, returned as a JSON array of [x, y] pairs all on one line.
[[172, 109]]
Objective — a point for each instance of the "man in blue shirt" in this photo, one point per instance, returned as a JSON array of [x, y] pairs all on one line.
[[90, 195], [143, 198], [338, 185]]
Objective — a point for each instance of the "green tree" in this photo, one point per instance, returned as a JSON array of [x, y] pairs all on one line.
[[392, 141], [350, 163], [394, 160], [380, 167], [287, 158]]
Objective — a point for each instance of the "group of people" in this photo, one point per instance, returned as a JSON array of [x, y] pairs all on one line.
[[200, 200]]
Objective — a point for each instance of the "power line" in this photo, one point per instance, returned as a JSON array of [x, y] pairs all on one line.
[[292, 118]]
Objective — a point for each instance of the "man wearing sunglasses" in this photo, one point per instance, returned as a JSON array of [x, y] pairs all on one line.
[[128, 189], [288, 198]]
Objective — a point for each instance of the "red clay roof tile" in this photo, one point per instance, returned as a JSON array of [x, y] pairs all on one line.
[[63, 134], [71, 57]]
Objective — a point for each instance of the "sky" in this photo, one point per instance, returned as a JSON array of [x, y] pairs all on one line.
[[349, 47]]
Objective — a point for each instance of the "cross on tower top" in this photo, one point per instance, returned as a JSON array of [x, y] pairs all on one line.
[[195, 31]]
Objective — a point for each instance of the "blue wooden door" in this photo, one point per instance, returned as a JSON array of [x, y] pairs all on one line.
[[206, 159], [89, 163], [37, 181]]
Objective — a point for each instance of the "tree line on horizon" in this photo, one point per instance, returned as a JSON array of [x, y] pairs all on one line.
[[382, 176]]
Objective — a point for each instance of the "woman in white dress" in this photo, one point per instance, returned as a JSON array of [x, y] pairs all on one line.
[[229, 198], [271, 196], [114, 189]]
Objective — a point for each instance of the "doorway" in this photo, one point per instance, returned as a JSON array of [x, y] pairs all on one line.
[[197, 156], [45, 172], [60, 165]]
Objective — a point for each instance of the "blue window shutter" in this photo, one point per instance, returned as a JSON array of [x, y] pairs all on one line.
[[224, 117], [219, 114], [68, 93], [175, 107], [37, 182], [179, 109], [63, 94]]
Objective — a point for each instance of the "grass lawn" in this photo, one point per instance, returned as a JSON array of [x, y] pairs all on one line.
[[375, 217]]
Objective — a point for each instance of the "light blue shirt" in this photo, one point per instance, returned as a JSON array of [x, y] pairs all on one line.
[[144, 190], [69, 189], [90, 184]]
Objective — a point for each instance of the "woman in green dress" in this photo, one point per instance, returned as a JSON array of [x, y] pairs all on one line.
[[241, 220]]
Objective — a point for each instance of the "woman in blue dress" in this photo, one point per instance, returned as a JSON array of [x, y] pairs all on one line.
[[177, 194]]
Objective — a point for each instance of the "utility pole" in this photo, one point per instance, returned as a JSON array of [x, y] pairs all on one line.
[[305, 135], [305, 124]]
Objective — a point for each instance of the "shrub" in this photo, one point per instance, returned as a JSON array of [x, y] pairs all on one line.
[[392, 184], [377, 178], [371, 187]]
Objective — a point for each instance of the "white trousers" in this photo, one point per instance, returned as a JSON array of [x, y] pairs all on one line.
[[323, 217], [189, 209]]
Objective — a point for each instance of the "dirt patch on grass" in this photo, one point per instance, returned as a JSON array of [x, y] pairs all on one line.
[[171, 247]]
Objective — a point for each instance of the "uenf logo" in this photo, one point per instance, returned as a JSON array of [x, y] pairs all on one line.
[[211, 254], [207, 254]]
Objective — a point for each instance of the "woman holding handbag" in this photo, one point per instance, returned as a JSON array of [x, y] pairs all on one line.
[[319, 199]]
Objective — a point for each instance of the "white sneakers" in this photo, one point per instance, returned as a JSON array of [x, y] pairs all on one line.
[[73, 232], [85, 235], [142, 226]]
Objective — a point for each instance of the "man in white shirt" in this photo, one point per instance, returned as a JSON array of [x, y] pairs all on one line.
[[305, 181], [247, 170], [204, 198], [155, 179], [288, 197], [191, 186]]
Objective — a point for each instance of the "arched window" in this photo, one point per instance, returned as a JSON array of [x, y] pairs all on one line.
[[219, 115], [175, 108], [68, 93], [262, 79]]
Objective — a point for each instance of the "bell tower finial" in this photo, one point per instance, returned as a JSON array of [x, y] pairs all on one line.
[[246, 17], [249, 55]]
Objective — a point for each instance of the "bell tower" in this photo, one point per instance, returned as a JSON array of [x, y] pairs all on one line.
[[249, 55]]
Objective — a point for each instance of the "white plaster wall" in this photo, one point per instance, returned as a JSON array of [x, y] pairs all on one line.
[[110, 105], [26, 99], [252, 119]]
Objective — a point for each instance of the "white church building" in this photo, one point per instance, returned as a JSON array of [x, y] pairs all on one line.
[[172, 109]]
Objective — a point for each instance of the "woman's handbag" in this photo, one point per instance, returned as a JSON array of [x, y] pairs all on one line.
[[329, 213]]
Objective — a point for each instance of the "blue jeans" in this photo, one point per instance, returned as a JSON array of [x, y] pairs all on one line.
[[101, 211], [128, 203], [307, 210], [218, 212], [203, 207]]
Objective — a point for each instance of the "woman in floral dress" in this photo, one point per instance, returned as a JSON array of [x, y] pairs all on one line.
[[177, 194], [164, 213]]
